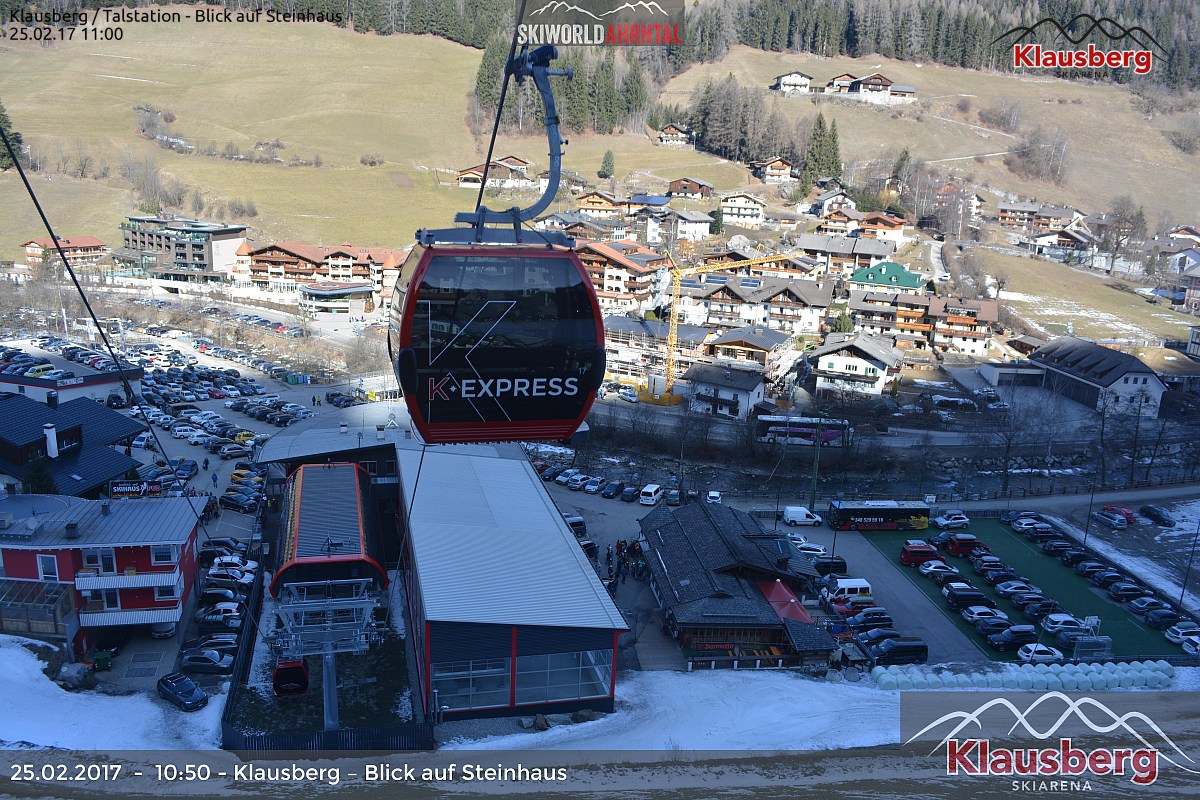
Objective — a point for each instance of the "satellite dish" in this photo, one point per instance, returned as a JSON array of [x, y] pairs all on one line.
[[32, 523]]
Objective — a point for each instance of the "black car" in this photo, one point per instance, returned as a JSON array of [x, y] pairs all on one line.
[[1090, 568], [217, 443], [1042, 534], [1124, 591], [213, 595], [965, 598], [996, 576], [1056, 547], [1013, 636], [179, 689], [1035, 612], [1107, 577], [1162, 618], [115, 401], [1012, 516], [221, 642], [1066, 639], [630, 494], [239, 503], [992, 625], [869, 619], [227, 543], [1157, 514], [613, 489], [1073, 557], [939, 539]]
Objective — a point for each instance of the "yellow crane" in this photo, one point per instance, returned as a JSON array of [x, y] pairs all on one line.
[[678, 273]]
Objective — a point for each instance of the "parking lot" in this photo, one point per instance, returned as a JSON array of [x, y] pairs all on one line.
[[1058, 582]]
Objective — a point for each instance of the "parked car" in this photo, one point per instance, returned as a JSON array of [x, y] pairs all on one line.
[[180, 690], [1009, 517], [630, 494], [564, 477], [143, 440], [869, 618], [1110, 519], [1039, 654], [1054, 623], [238, 502], [930, 568], [207, 661], [974, 614], [578, 481], [1009, 588], [628, 395], [613, 489], [1144, 605], [1182, 630], [981, 565], [1056, 547], [674, 497], [233, 451], [964, 544], [1191, 645], [1022, 599], [1123, 512], [1088, 568], [952, 520], [235, 561], [1073, 557], [1157, 515], [1106, 577], [594, 485], [995, 577], [1161, 619], [1039, 532], [1036, 612], [989, 625], [212, 596], [713, 497], [810, 549], [231, 578], [1124, 591], [1013, 636], [875, 635]]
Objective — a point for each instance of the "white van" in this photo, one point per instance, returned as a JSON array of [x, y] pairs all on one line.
[[799, 515], [651, 494], [841, 589]]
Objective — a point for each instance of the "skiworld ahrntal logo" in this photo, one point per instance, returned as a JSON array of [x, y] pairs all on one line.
[[600, 22], [1133, 49]]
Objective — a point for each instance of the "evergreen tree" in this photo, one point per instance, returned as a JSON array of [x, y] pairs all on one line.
[[843, 324], [38, 479], [815, 154], [14, 139], [634, 93], [833, 153], [608, 167], [717, 225]]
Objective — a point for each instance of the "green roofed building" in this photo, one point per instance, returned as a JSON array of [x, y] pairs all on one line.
[[889, 275]]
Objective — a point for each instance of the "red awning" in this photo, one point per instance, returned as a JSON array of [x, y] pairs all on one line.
[[784, 601]]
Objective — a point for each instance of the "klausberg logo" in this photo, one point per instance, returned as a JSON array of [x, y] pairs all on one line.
[[1035, 56], [1060, 757], [475, 388], [601, 22]]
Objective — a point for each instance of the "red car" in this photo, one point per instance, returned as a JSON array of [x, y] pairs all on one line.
[[853, 606], [1123, 512], [216, 394]]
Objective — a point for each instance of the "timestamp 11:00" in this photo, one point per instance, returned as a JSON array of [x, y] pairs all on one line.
[[48, 33]]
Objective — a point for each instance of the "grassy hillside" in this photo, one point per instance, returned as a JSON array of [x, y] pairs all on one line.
[[318, 89], [1114, 149]]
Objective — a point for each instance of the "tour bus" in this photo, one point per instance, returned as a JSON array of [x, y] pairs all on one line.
[[651, 494], [877, 515]]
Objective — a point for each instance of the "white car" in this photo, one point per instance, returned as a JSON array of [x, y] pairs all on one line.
[[199, 437], [1039, 654], [1056, 623], [183, 431], [628, 395], [973, 614], [1181, 632], [713, 497], [952, 520], [1191, 645], [947, 587], [811, 549], [234, 562], [142, 440], [231, 391], [229, 403], [935, 567]]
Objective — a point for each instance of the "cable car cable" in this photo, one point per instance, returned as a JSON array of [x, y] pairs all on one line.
[[512, 51]]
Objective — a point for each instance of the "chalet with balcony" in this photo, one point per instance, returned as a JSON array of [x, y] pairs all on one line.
[[1052, 218], [963, 325], [902, 316], [584, 227], [790, 84], [623, 273], [73, 568], [691, 189], [500, 175], [724, 391], [81, 251], [1017, 215], [841, 222], [842, 255], [885, 226], [887, 276], [743, 210], [286, 266], [74, 440], [1069, 245], [573, 181], [675, 134], [855, 363], [773, 170], [656, 226], [828, 201], [651, 201], [875, 83], [840, 84], [953, 196], [635, 348], [600, 204], [752, 344], [723, 301]]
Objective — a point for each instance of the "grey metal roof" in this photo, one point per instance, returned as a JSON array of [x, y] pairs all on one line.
[[329, 511], [755, 335], [881, 349], [1019, 206], [757, 290], [808, 638], [490, 546], [129, 523], [692, 216], [321, 435], [79, 471], [1087, 360], [687, 333], [21, 420], [844, 245], [706, 559], [719, 376]]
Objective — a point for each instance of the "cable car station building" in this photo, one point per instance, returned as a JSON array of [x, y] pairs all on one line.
[[505, 615]]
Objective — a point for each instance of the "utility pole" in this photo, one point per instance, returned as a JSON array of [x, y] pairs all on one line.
[[812, 494]]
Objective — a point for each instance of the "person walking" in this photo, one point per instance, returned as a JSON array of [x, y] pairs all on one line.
[[214, 480], [204, 464]]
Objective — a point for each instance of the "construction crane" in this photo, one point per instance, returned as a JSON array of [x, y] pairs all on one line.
[[678, 273]]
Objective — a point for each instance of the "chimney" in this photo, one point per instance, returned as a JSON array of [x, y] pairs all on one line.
[[52, 399], [51, 440], [71, 531], [105, 510]]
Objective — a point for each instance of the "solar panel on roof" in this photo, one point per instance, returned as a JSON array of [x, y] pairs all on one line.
[[690, 283], [717, 280], [751, 283]]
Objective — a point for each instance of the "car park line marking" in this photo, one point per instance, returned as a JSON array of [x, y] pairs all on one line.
[[946, 611]]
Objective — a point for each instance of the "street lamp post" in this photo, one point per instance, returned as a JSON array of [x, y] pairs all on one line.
[[1087, 527]]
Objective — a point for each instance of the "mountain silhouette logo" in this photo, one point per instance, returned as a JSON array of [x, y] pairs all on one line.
[[1094, 714], [1110, 28], [560, 5]]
